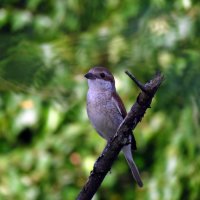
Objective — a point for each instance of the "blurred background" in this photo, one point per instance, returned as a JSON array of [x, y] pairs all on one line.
[[47, 145]]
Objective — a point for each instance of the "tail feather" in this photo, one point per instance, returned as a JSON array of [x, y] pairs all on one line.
[[128, 155]]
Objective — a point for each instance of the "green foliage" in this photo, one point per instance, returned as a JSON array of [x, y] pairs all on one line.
[[47, 144]]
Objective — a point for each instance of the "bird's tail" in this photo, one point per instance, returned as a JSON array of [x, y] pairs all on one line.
[[128, 155]]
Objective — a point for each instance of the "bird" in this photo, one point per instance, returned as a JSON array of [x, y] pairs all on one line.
[[106, 111]]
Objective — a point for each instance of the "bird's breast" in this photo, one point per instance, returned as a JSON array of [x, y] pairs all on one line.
[[103, 114]]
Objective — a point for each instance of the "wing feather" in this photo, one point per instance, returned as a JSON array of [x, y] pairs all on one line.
[[119, 104], [122, 110]]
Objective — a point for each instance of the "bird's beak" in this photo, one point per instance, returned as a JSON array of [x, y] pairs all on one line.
[[90, 76]]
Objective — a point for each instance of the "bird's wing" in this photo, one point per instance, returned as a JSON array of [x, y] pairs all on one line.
[[122, 110], [119, 104]]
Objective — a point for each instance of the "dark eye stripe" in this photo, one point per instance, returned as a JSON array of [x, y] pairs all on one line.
[[102, 75]]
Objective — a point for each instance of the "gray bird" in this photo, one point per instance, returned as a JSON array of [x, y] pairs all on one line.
[[106, 111]]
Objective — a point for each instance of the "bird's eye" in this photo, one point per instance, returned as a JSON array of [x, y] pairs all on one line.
[[102, 75]]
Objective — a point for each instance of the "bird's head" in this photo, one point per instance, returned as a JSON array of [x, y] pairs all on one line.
[[100, 78]]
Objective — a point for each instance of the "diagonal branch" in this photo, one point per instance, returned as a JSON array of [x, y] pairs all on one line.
[[103, 164], [137, 82]]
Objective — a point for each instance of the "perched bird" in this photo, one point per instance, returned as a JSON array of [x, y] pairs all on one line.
[[106, 111]]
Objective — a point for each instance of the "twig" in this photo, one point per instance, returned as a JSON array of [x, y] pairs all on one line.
[[137, 82], [103, 164]]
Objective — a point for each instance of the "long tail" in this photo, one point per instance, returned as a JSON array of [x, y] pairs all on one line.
[[128, 155]]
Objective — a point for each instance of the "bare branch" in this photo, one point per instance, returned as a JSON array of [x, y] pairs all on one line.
[[137, 82]]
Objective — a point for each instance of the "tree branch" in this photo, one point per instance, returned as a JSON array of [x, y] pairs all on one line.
[[103, 164]]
